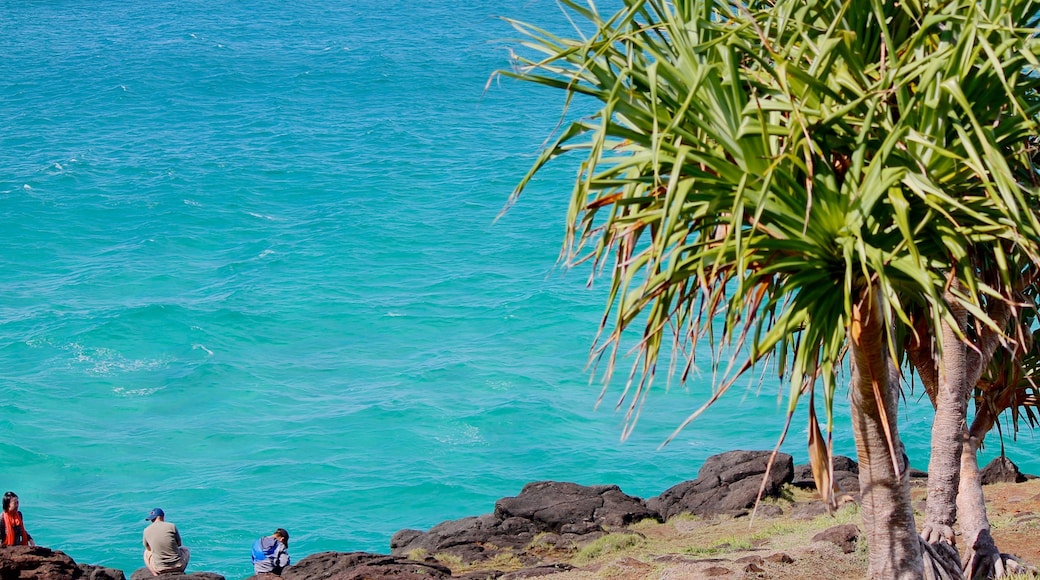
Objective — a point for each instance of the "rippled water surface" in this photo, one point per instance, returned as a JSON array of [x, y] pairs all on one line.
[[250, 272]]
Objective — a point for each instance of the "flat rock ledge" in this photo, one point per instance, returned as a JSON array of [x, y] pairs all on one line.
[[363, 566], [560, 514], [552, 516], [39, 563], [547, 519]]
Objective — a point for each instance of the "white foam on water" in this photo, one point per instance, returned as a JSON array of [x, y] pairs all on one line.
[[143, 392]]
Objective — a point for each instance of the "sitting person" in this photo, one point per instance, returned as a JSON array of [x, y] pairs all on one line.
[[271, 553], [163, 552], [12, 529]]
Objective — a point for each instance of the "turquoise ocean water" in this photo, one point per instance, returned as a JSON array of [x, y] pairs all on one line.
[[250, 272]]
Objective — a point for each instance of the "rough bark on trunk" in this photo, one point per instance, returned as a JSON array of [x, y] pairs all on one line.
[[953, 443], [948, 428], [895, 551], [971, 505]]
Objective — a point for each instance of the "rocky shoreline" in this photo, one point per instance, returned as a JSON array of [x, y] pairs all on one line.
[[531, 534]]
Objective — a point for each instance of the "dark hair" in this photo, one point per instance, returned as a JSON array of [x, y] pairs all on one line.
[[284, 535], [7, 499]]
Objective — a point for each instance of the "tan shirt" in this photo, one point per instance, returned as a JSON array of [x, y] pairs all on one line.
[[163, 539]]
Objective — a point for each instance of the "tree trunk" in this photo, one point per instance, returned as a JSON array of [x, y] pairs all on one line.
[[971, 506], [949, 380], [948, 428], [888, 518], [982, 558]]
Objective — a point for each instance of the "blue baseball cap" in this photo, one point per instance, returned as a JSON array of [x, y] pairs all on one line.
[[155, 513]]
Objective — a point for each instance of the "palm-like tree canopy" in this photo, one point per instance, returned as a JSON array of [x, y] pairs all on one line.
[[766, 164]]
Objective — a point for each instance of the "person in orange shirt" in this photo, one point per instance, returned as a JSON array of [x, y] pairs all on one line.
[[13, 531]]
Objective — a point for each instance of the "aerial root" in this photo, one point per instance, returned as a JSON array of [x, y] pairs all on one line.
[[937, 533], [941, 561], [983, 561]]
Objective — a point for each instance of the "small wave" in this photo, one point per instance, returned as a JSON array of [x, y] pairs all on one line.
[[27, 187], [136, 392], [106, 361], [394, 314], [465, 434], [201, 347], [498, 385], [261, 216], [192, 203], [265, 253]]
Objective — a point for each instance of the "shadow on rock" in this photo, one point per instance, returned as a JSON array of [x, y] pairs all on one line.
[[362, 566]]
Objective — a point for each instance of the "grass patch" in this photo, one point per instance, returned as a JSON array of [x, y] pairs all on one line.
[[502, 561], [1002, 521], [683, 517], [729, 544], [505, 562], [607, 544], [418, 554], [452, 561], [646, 523]]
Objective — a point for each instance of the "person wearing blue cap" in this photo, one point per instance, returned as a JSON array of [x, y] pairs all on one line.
[[163, 551]]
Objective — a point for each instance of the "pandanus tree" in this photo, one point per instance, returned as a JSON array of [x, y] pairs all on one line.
[[799, 183], [1001, 375]]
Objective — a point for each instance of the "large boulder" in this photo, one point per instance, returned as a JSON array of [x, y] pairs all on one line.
[[36, 562], [39, 563], [727, 483], [91, 572], [471, 539], [846, 475], [1001, 470], [567, 512], [558, 506], [362, 566]]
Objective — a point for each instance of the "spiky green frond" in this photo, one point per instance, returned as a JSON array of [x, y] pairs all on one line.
[[754, 167]]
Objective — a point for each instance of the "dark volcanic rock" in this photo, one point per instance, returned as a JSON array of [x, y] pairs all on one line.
[[845, 537], [727, 484], [145, 574], [1001, 470], [572, 513], [91, 572], [555, 506], [846, 475], [362, 566], [466, 538], [36, 562], [769, 511]]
